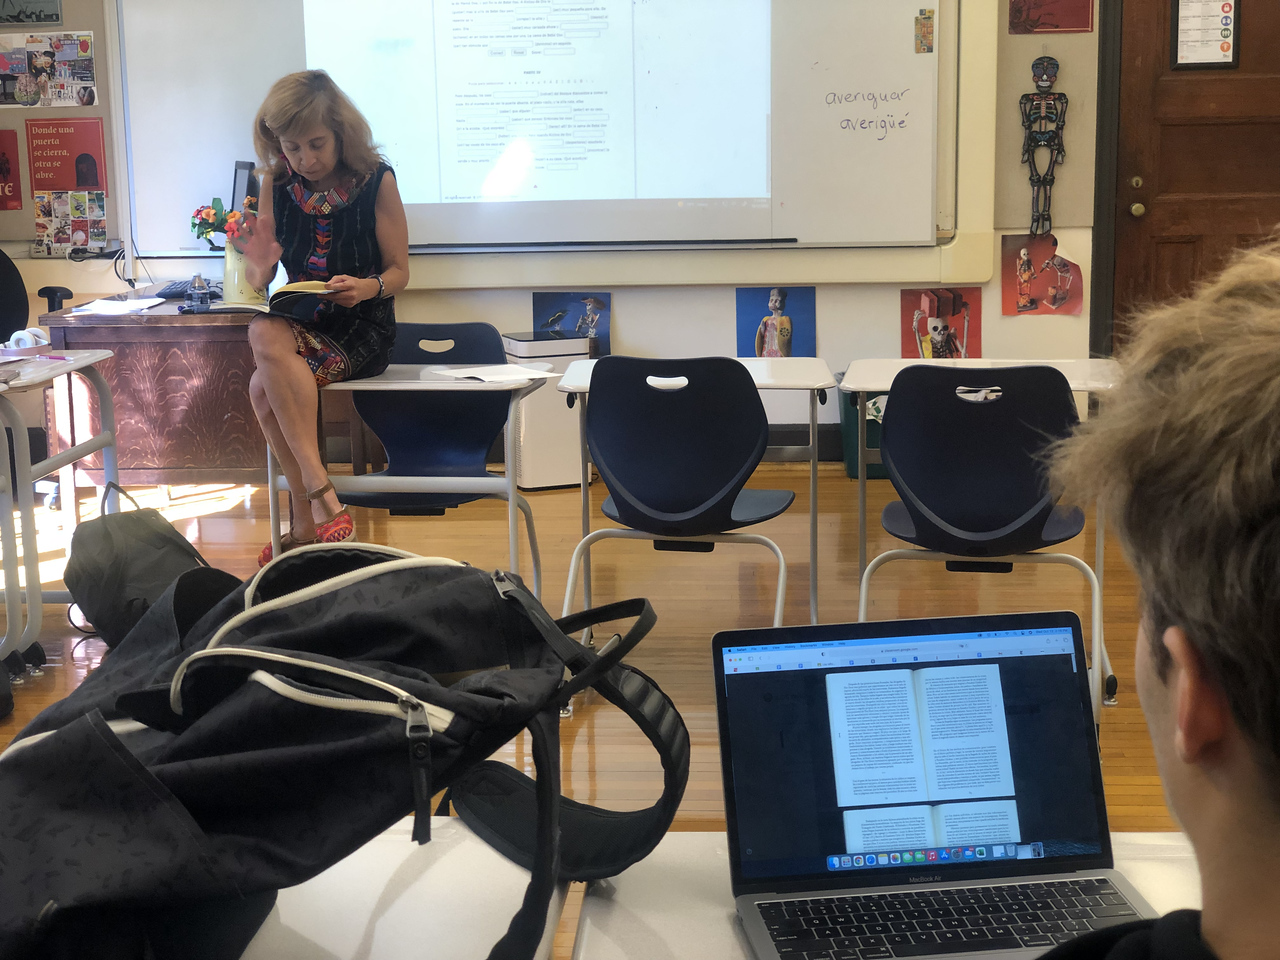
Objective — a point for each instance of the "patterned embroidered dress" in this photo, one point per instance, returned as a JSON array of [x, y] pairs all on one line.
[[324, 234]]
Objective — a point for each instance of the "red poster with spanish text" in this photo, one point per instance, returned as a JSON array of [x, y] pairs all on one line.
[[10, 172], [67, 154]]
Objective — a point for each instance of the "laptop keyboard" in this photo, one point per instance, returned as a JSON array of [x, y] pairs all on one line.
[[961, 920]]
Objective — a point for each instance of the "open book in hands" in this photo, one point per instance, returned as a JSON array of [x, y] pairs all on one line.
[[284, 302]]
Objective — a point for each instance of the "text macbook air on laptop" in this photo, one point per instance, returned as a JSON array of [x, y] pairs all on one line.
[[915, 788]]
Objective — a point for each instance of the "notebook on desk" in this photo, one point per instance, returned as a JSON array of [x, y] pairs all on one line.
[[915, 788]]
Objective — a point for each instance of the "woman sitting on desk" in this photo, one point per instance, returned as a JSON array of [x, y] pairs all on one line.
[[329, 210]]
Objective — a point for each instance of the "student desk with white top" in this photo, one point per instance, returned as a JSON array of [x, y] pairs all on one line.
[[810, 374], [411, 376], [450, 899], [677, 903], [35, 373]]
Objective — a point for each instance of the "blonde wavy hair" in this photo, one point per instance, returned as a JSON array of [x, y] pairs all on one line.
[[1185, 457], [300, 102]]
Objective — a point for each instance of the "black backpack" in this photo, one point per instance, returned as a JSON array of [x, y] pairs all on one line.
[[236, 743], [120, 564]]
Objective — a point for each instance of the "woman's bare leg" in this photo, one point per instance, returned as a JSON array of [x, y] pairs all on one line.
[[301, 525], [288, 387]]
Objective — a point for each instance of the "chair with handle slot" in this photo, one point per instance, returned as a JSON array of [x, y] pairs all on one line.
[[963, 448], [675, 442]]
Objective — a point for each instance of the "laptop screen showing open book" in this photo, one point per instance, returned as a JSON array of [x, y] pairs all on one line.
[[877, 753]]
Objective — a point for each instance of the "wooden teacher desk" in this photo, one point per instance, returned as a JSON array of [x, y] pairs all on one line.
[[181, 388]]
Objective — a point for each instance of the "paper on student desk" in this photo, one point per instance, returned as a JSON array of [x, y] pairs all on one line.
[[117, 308], [496, 373]]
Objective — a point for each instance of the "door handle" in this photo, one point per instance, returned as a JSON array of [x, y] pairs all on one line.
[[1138, 209]]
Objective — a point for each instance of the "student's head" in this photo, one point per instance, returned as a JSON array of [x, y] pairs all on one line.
[[298, 109], [1185, 459]]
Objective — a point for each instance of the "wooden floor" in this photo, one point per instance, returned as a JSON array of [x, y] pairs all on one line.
[[606, 760]]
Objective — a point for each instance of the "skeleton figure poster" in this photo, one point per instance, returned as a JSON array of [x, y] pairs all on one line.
[[777, 322], [942, 323], [574, 315], [1036, 278]]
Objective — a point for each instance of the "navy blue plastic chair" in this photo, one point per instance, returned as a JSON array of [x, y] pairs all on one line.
[[962, 447], [439, 433], [675, 442], [15, 315]]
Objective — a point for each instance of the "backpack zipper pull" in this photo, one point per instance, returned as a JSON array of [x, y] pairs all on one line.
[[418, 730]]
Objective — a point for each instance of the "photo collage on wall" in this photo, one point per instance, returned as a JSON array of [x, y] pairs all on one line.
[[47, 70], [74, 218]]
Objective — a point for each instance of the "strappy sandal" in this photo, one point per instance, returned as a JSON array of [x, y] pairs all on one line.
[[287, 542], [338, 527]]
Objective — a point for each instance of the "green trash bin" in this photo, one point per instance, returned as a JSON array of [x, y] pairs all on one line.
[[849, 438]]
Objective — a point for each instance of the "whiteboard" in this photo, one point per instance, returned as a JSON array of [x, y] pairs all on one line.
[[855, 124], [853, 138]]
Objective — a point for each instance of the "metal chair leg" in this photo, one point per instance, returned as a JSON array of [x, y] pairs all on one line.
[[523, 504], [1099, 664], [584, 546]]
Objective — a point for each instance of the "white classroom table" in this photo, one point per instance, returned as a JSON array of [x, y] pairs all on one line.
[[450, 899], [875, 376], [676, 903], [35, 373], [412, 376], [810, 374]]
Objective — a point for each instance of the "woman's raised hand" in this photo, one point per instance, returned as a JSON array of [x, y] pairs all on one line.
[[257, 242]]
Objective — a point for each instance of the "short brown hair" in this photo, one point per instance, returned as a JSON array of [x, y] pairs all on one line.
[[1185, 457], [302, 101]]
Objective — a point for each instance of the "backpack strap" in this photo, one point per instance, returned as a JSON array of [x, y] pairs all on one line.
[[528, 926], [498, 802], [106, 492]]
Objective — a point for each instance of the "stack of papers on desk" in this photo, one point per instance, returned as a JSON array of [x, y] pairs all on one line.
[[117, 308], [497, 373]]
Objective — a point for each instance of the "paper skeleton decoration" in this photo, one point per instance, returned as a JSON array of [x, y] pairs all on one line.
[[1044, 114]]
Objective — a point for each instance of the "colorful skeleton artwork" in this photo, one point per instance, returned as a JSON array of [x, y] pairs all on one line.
[[936, 313]]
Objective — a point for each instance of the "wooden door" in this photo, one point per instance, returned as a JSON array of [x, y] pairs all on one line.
[[1204, 147]]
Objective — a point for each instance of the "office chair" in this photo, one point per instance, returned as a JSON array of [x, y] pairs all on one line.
[[962, 448], [439, 434], [675, 441], [15, 309]]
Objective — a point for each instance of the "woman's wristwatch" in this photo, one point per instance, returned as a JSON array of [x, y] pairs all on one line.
[[381, 287]]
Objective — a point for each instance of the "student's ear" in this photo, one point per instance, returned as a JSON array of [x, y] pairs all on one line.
[[1201, 712]]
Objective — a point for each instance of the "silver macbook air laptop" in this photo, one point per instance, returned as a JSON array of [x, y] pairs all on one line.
[[915, 788]]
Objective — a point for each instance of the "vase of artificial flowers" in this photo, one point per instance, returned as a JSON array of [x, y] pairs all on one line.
[[214, 218]]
